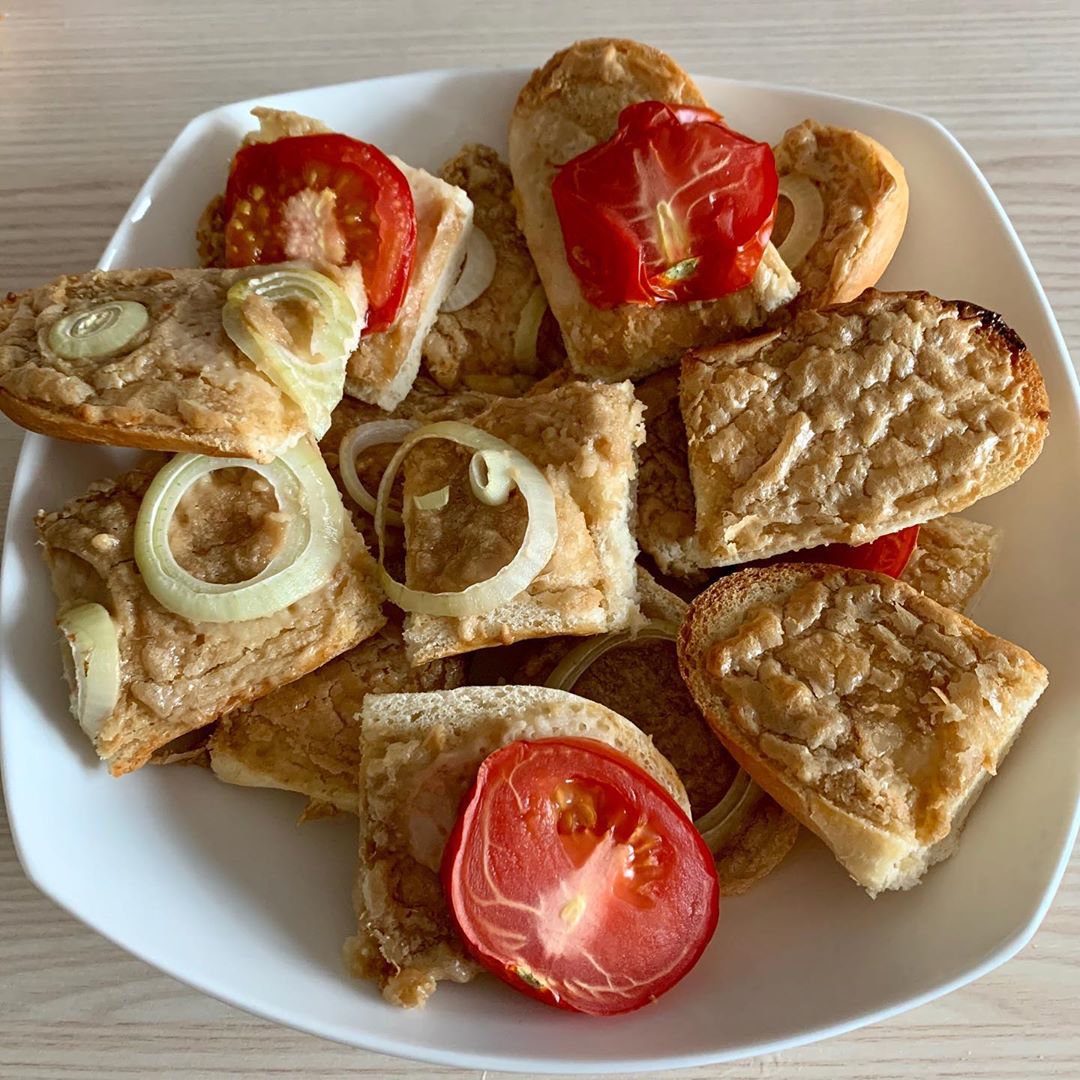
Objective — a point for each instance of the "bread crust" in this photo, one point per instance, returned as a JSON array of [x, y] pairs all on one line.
[[567, 106], [883, 854], [855, 421]]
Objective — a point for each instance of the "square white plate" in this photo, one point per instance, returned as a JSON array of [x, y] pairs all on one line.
[[217, 886]]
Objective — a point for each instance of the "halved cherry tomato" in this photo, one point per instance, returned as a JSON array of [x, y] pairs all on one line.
[[888, 554], [674, 206], [324, 197], [574, 877]]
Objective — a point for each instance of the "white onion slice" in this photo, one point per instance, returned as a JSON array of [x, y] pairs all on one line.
[[537, 545], [582, 656], [720, 824], [375, 433], [433, 500], [476, 274], [95, 661], [809, 219], [102, 331], [308, 555], [315, 381], [717, 825], [528, 329]]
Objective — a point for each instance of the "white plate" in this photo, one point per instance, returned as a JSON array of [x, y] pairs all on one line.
[[217, 886]]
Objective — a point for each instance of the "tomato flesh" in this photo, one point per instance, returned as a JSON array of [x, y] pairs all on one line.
[[324, 197], [888, 554], [674, 206], [574, 877]]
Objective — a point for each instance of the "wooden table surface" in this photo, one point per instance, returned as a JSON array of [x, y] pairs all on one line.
[[91, 94]]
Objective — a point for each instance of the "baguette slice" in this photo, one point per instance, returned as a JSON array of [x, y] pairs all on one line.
[[419, 755], [852, 422], [870, 712], [568, 106], [305, 737], [640, 680], [182, 385], [178, 675], [864, 202]]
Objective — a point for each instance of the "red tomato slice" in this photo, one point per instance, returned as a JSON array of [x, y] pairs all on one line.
[[324, 197], [574, 877], [674, 206], [888, 554]]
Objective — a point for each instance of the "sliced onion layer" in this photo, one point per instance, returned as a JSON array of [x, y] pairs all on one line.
[[95, 662], [528, 329], [537, 545], [583, 655], [476, 275], [100, 331], [313, 375], [306, 559], [375, 433], [717, 825], [809, 219]]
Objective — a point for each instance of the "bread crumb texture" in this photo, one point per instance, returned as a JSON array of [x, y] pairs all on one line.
[[881, 701], [853, 422]]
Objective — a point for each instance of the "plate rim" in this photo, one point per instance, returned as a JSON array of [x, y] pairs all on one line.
[[373, 1041]]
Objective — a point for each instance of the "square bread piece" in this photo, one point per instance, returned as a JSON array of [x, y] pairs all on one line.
[[582, 436], [867, 710], [419, 755], [952, 560], [475, 346], [384, 366], [305, 737], [853, 422], [567, 107], [178, 675], [180, 384]]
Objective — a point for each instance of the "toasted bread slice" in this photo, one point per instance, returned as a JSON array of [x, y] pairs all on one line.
[[855, 421], [384, 365], [178, 675], [867, 710], [864, 203], [952, 560], [181, 384], [305, 737], [582, 436], [474, 347], [419, 754], [640, 680], [568, 106]]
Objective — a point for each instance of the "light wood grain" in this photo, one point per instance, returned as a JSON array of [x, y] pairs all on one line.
[[91, 94]]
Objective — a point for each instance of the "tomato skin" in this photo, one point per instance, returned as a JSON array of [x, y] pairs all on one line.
[[717, 189], [373, 210], [888, 554], [651, 909]]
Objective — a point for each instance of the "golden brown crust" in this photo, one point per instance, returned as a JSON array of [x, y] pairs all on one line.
[[865, 198], [867, 710], [565, 108], [854, 421]]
